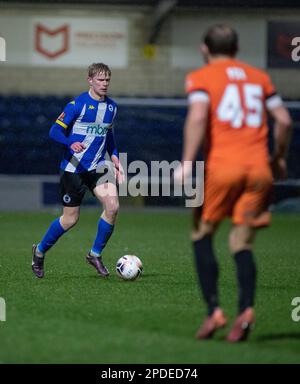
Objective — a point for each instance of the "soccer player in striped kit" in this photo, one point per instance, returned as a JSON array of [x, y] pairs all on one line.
[[85, 129]]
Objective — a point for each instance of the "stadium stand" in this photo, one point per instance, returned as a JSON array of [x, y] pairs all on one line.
[[146, 129], [145, 132], [27, 149]]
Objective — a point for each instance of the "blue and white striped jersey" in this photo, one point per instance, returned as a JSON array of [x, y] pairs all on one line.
[[88, 121]]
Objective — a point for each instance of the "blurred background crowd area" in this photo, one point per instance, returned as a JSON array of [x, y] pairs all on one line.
[[150, 47]]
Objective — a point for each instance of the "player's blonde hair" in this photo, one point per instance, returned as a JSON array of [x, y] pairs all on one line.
[[96, 68]]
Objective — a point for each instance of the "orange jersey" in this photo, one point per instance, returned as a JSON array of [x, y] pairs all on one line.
[[239, 96]]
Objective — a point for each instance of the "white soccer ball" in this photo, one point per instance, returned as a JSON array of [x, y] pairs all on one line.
[[129, 267]]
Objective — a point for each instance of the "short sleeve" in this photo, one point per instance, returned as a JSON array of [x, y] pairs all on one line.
[[272, 99], [196, 88], [68, 115]]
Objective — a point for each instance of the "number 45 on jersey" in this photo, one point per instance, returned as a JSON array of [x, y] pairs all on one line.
[[241, 104]]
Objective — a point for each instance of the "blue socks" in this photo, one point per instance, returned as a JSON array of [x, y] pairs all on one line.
[[55, 231], [52, 235], [103, 234]]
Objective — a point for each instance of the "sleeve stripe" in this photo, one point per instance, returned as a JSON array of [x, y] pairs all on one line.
[[61, 123], [273, 101], [271, 95], [198, 90], [198, 96]]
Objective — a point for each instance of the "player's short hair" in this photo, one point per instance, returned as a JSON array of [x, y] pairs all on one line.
[[221, 39], [96, 68]]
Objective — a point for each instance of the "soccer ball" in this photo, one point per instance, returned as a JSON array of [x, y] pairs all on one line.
[[129, 267]]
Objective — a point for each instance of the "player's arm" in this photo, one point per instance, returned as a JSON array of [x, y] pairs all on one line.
[[111, 144], [114, 155], [282, 134], [282, 127], [59, 128], [194, 129], [195, 122], [113, 152], [194, 134]]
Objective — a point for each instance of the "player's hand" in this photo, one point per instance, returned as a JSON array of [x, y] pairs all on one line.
[[120, 174], [77, 147], [183, 171], [279, 168]]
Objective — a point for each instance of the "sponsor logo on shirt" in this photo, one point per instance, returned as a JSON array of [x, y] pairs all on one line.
[[96, 130]]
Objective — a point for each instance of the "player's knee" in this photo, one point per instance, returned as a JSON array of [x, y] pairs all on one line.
[[240, 240], [235, 245], [239, 246], [205, 229], [68, 221]]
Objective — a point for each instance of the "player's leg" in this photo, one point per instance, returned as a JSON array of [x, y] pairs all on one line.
[[56, 229], [107, 194], [72, 192], [221, 187], [250, 212], [202, 237], [206, 263], [241, 240], [207, 272]]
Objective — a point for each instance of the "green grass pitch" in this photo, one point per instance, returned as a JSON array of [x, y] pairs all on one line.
[[73, 316]]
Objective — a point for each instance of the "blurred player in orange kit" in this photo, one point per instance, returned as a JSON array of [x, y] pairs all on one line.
[[227, 117]]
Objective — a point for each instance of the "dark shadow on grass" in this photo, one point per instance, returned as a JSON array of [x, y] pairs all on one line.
[[279, 336]]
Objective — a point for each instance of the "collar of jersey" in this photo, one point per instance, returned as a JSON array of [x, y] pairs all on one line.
[[97, 101]]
